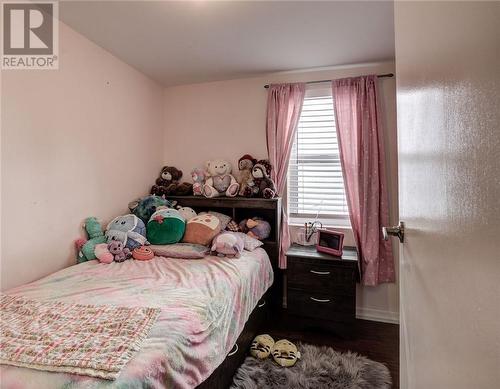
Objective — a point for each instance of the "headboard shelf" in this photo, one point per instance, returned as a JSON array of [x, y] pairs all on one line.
[[227, 202]]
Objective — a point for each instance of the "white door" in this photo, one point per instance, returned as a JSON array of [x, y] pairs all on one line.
[[448, 101]]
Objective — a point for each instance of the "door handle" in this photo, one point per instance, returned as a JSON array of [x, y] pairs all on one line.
[[398, 231]]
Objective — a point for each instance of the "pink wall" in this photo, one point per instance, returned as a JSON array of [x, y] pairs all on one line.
[[226, 119], [79, 141]]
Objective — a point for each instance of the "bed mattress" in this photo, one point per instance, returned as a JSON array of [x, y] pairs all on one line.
[[204, 307]]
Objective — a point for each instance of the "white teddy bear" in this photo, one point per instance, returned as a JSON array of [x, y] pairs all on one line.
[[220, 181]]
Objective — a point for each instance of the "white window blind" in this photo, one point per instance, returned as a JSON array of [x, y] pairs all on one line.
[[315, 183]]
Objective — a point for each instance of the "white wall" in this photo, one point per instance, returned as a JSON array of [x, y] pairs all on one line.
[[226, 119], [80, 141]]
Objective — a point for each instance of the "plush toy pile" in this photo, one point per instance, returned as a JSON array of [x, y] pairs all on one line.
[[158, 221], [128, 236], [217, 179]]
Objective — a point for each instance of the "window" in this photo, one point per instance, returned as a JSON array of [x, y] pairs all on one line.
[[315, 183]]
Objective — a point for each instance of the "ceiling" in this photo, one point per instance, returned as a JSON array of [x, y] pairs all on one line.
[[181, 42]]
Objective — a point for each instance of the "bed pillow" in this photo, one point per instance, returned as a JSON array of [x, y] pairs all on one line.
[[224, 219], [249, 242], [165, 226], [180, 250], [202, 229]]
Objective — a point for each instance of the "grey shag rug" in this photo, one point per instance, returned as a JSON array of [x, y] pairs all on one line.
[[318, 368]]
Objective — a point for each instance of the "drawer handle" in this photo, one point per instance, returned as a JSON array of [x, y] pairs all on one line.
[[261, 304], [323, 273], [320, 300], [235, 348]]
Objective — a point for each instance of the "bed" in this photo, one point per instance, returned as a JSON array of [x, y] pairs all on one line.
[[210, 310], [204, 307]]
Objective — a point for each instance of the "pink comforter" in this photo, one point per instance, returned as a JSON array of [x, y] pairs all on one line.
[[204, 306]]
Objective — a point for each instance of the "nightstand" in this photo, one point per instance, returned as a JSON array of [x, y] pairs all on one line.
[[321, 288]]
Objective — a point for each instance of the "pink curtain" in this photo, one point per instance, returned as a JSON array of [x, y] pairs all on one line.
[[284, 104], [363, 164]]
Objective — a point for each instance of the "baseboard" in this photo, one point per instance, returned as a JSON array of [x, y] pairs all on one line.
[[377, 315]]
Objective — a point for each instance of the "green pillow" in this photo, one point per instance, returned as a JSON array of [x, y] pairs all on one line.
[[165, 226]]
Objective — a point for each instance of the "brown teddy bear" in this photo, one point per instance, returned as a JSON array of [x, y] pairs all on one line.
[[168, 183], [261, 185], [245, 165]]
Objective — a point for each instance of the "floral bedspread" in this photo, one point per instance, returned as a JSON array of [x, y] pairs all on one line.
[[93, 340], [204, 306]]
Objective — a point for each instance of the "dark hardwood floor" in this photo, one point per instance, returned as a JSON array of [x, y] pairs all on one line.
[[377, 341]]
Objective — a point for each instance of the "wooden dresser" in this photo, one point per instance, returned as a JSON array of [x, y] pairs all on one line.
[[321, 288]]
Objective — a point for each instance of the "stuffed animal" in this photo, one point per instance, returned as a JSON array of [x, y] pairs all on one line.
[[168, 183], [285, 353], [128, 229], [228, 244], [103, 254], [143, 208], [256, 227], [220, 181], [166, 226], [262, 185], [198, 175], [95, 237], [120, 253], [142, 253], [261, 346], [187, 213], [245, 165], [202, 229]]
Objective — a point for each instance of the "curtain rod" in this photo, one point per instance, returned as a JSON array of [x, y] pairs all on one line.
[[317, 82]]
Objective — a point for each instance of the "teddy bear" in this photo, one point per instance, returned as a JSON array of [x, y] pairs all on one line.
[[198, 176], [245, 165], [220, 181], [262, 185], [119, 252], [168, 183]]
